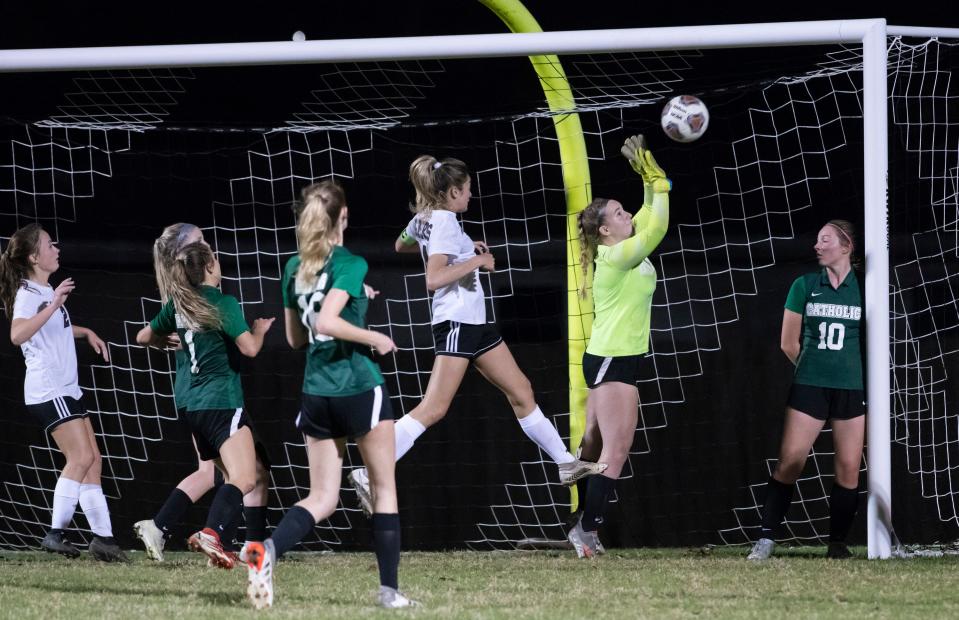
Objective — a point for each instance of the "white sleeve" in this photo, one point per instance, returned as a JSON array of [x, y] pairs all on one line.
[[444, 237], [25, 305]]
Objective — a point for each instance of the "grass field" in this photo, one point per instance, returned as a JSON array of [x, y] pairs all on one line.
[[644, 583]]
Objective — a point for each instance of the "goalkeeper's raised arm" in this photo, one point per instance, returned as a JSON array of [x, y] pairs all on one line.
[[618, 244]]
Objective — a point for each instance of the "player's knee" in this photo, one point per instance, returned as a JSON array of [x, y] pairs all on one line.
[[521, 397], [244, 483], [789, 468], [847, 473], [320, 504], [82, 460]]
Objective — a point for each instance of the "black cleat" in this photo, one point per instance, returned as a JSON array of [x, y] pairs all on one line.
[[106, 549], [838, 551], [56, 542]]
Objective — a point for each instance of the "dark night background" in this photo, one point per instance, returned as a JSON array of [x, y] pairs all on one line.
[[705, 439]]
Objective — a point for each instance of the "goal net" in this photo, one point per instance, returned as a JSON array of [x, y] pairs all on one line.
[[105, 159]]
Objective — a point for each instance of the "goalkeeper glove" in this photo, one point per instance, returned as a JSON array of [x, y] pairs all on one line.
[[644, 164], [633, 152], [654, 175]]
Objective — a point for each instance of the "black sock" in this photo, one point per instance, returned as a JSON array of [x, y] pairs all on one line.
[[386, 544], [778, 498], [582, 488], [172, 511], [293, 527], [255, 517], [842, 510], [597, 496], [228, 538], [226, 504]]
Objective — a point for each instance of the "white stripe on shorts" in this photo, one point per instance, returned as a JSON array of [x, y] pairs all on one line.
[[453, 338], [602, 369], [377, 406], [235, 421], [62, 410]]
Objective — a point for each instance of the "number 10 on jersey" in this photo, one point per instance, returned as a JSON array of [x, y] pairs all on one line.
[[831, 336]]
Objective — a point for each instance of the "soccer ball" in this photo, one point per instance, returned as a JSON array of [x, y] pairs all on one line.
[[685, 118]]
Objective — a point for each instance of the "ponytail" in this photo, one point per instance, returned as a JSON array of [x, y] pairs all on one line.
[[589, 220], [317, 230], [186, 275], [15, 264], [433, 179]]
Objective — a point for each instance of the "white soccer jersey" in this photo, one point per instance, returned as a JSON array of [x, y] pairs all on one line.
[[51, 353], [462, 301]]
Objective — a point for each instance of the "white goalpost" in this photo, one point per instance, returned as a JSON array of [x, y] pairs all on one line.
[[871, 34]]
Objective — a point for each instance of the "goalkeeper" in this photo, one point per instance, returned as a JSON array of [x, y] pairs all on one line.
[[623, 283]]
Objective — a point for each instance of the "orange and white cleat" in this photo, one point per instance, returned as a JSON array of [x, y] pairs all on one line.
[[260, 557], [207, 542]]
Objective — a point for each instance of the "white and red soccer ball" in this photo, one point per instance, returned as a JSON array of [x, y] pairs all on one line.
[[685, 118]]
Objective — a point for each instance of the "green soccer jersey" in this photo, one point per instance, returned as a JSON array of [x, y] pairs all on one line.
[[211, 355], [830, 354], [623, 284], [333, 367], [181, 381]]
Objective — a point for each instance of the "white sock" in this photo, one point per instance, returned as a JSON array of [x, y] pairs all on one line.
[[407, 430], [65, 497], [542, 431], [94, 506]]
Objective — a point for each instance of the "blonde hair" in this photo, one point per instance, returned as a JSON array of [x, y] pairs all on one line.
[[433, 179], [589, 220], [15, 264], [186, 275], [166, 248], [317, 228]]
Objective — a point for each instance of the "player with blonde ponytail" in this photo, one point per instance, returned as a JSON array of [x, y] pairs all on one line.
[[344, 395], [154, 533], [461, 334], [211, 328]]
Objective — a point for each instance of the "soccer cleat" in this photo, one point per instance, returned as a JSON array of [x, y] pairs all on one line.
[[152, 538], [105, 549], [210, 563], [56, 542], [260, 557], [207, 541], [586, 543], [761, 550], [390, 598], [838, 551], [570, 472], [360, 480]]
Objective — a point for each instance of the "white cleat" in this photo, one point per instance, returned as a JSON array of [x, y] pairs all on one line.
[[360, 479], [570, 472], [260, 558], [587, 544], [393, 599], [152, 538], [762, 550]]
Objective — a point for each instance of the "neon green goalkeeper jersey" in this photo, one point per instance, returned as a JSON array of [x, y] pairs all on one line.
[[623, 284], [333, 367]]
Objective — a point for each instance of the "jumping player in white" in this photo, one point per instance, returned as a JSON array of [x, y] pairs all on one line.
[[461, 335]]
